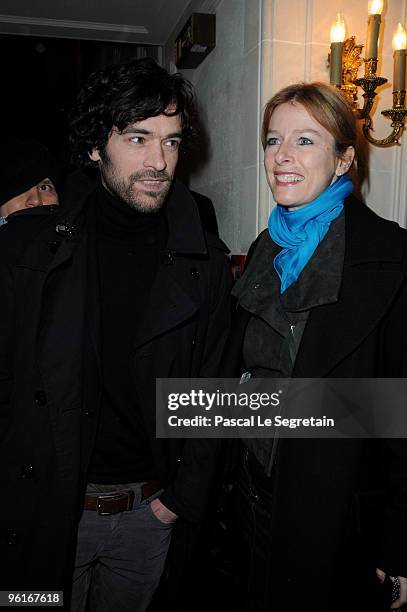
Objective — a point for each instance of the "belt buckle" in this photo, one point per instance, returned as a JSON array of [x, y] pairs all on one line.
[[99, 504], [119, 495]]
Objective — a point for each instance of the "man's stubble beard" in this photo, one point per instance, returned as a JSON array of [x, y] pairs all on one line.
[[140, 200]]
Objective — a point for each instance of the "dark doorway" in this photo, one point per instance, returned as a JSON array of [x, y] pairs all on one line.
[[40, 77]]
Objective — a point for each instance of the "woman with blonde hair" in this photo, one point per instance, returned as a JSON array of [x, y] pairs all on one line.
[[324, 294]]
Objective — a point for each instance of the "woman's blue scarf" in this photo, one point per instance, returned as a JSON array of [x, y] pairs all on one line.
[[300, 231]]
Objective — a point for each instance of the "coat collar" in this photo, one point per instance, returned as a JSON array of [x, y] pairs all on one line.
[[59, 234], [369, 238], [372, 276], [371, 279], [185, 233], [258, 291], [171, 299]]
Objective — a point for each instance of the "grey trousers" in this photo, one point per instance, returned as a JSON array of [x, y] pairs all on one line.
[[119, 559]]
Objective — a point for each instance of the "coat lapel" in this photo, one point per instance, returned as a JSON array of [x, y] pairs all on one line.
[[334, 331], [172, 298], [370, 282], [169, 304]]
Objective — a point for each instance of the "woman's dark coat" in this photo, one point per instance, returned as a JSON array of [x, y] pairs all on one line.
[[50, 375], [339, 504]]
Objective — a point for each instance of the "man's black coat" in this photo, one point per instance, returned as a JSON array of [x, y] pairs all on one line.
[[50, 375]]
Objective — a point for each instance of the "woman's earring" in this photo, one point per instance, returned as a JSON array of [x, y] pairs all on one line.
[[342, 172]]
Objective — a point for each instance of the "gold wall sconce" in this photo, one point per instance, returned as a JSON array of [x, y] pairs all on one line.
[[345, 59]]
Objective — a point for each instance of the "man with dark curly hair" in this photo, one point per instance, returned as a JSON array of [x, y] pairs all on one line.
[[121, 286]]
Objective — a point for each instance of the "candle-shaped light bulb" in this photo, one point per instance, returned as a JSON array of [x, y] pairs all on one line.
[[400, 38], [337, 38], [375, 7], [373, 27], [338, 29], [399, 66]]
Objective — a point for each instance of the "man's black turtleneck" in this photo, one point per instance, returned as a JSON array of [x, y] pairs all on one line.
[[127, 245]]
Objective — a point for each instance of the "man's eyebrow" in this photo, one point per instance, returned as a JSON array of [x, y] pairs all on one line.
[[133, 129]]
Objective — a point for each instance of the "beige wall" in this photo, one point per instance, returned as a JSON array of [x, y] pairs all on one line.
[[227, 86], [263, 45]]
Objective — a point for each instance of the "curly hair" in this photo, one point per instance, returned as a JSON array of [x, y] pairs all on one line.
[[123, 94]]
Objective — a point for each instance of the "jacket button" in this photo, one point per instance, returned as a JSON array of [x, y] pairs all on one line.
[[27, 471], [195, 274], [168, 259], [254, 496], [90, 412], [40, 398], [13, 538], [54, 246]]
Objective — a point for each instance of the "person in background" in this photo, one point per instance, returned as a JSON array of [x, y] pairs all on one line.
[[119, 287], [324, 294], [29, 177]]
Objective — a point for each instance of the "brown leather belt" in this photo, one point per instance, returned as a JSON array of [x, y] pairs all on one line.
[[149, 488], [122, 501]]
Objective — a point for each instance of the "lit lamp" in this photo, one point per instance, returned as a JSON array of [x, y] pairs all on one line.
[[400, 52], [337, 38], [345, 61], [375, 8]]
